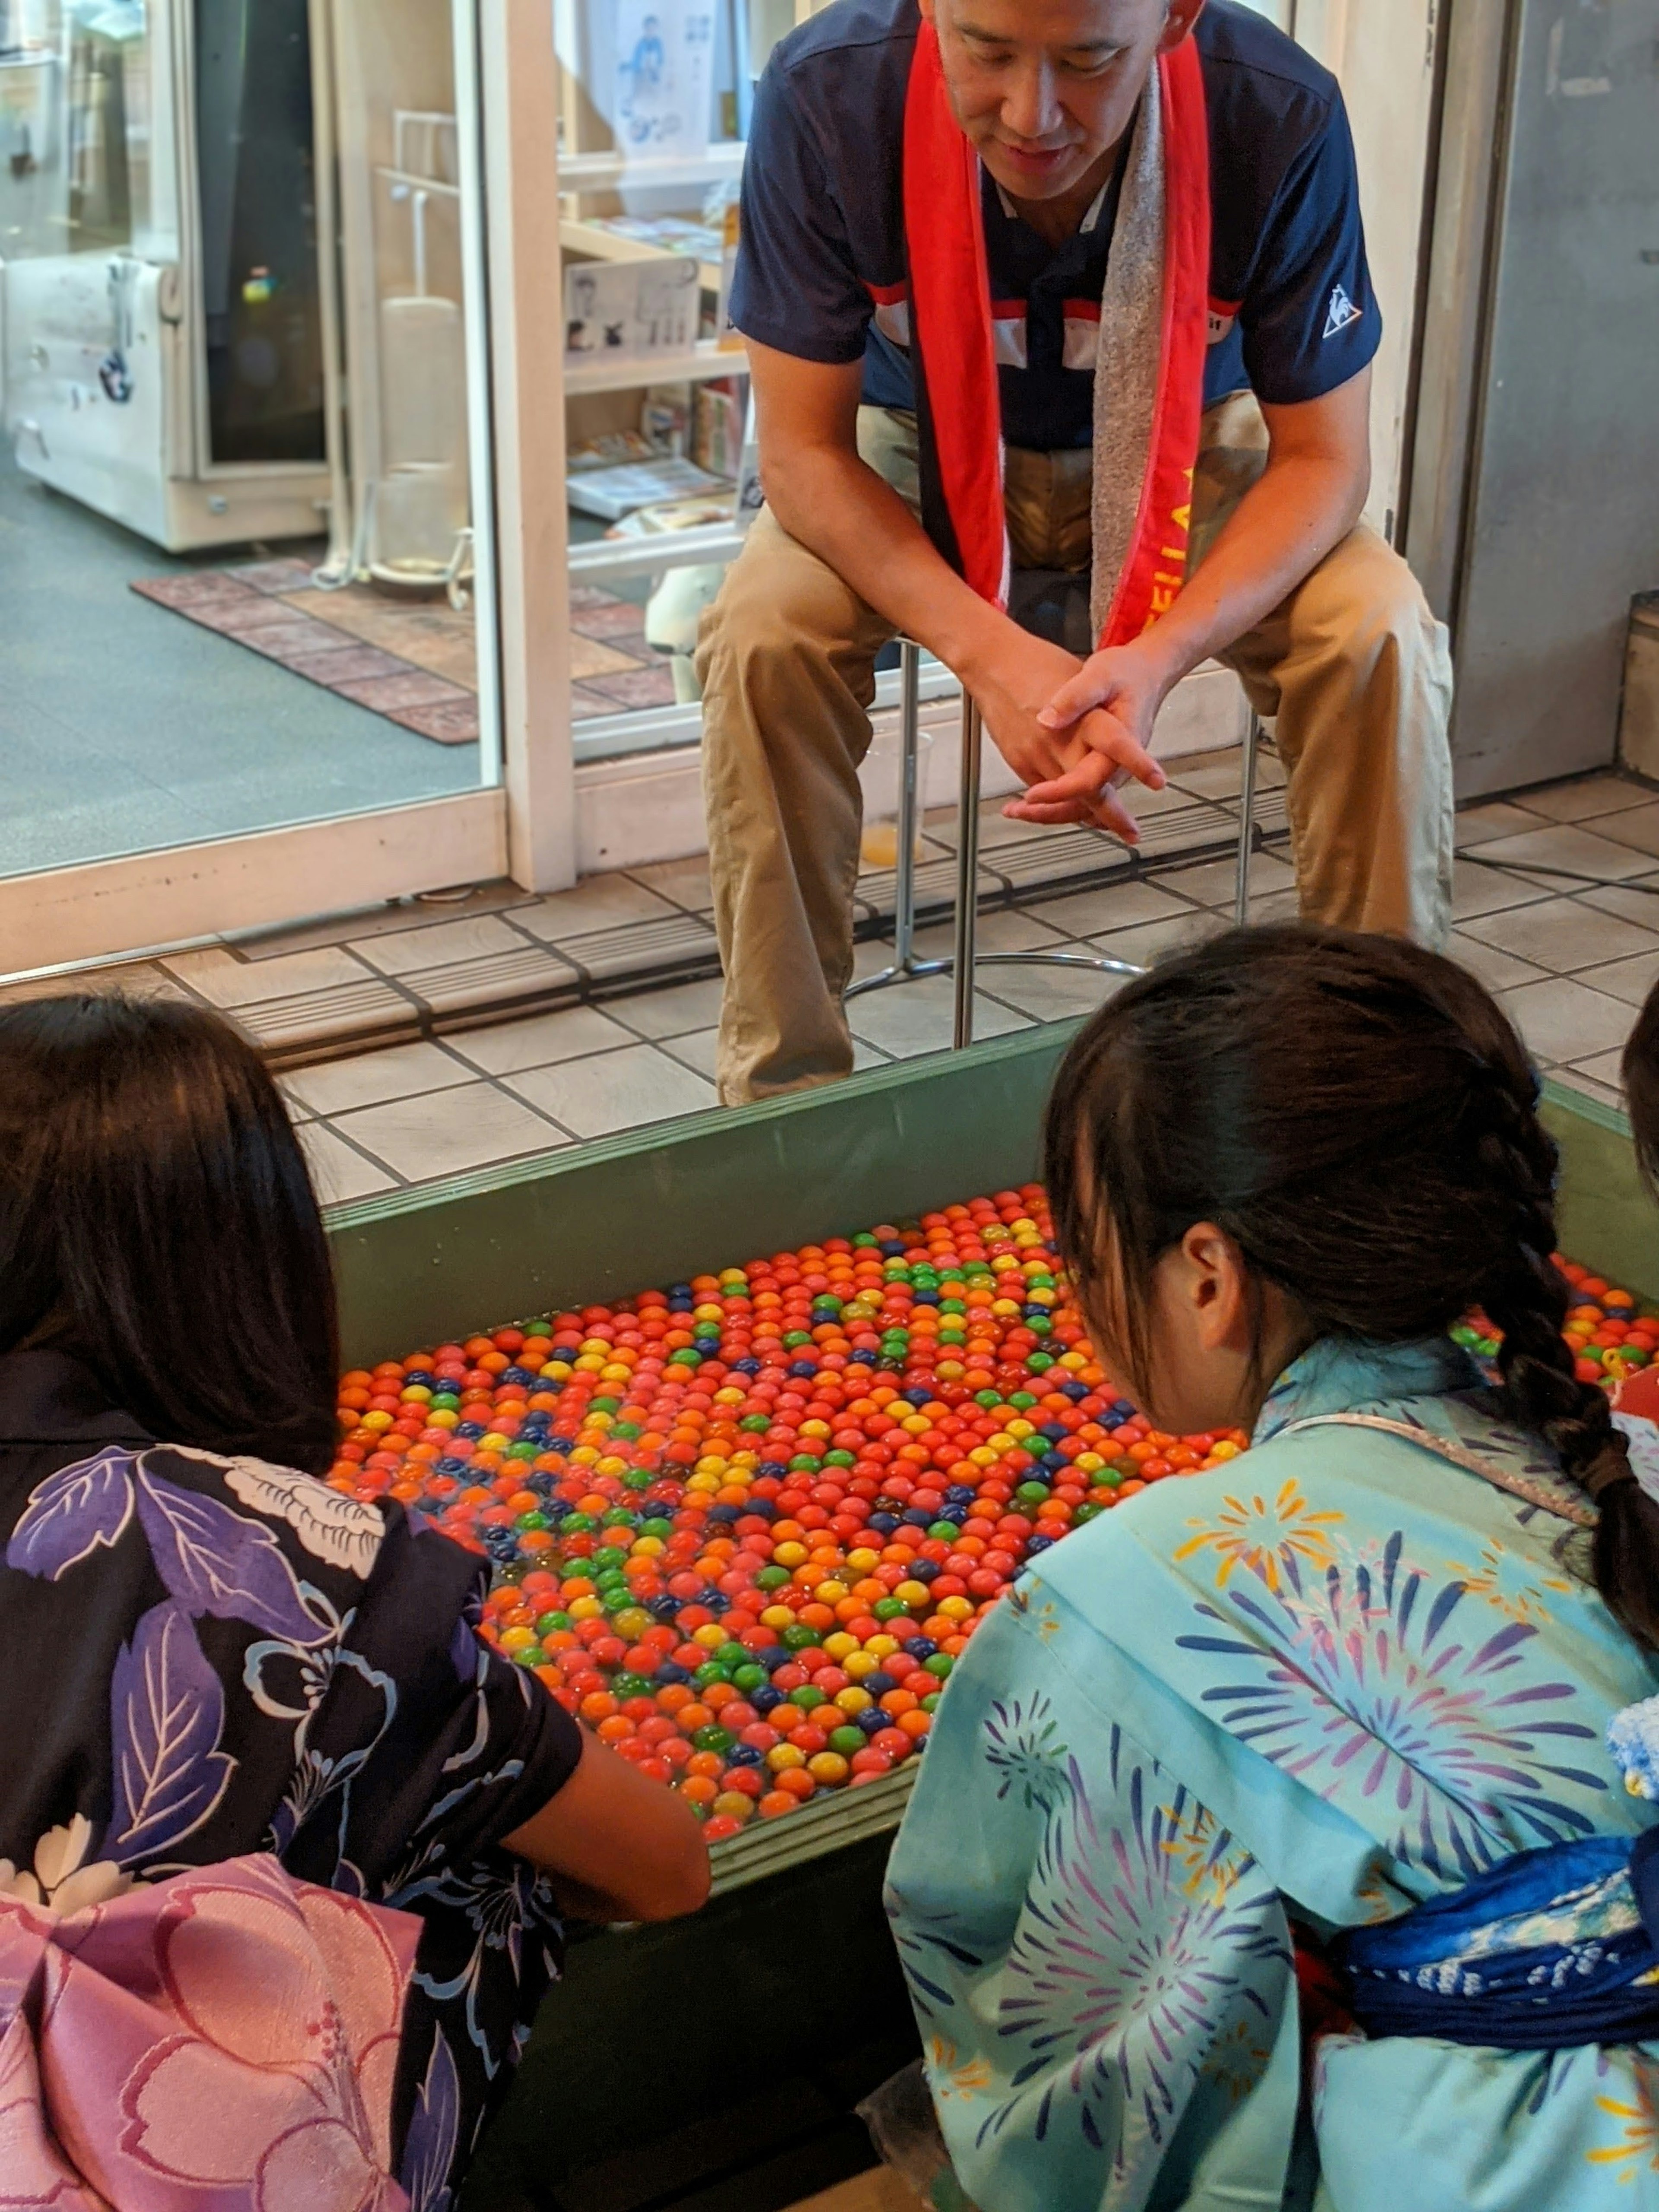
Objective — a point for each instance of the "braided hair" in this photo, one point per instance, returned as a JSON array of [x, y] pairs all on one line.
[[1359, 1117]]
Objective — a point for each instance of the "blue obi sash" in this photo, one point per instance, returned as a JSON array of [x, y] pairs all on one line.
[[1554, 1948]]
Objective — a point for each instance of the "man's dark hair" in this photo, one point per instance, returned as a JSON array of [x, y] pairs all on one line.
[[157, 1222]]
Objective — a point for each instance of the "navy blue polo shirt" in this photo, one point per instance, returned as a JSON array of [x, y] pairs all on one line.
[[821, 268]]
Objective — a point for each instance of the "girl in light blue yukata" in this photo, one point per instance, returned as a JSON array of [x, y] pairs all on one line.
[[1269, 1849]]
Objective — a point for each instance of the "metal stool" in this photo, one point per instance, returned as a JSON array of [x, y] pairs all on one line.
[[905, 966]]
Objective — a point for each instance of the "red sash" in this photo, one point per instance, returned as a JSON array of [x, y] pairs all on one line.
[[951, 350]]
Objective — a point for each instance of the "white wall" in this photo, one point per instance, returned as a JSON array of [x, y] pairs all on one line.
[[1381, 51]]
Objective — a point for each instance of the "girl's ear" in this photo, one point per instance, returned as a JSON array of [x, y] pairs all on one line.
[[1213, 1285]]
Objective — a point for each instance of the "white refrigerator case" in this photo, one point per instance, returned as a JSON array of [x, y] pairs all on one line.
[[103, 349]]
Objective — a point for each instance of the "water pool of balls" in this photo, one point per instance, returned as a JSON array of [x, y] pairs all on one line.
[[743, 1528]]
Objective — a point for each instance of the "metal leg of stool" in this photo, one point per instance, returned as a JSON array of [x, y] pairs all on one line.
[[967, 873], [904, 888], [1246, 821], [904, 964]]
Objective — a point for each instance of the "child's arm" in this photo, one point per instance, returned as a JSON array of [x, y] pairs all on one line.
[[616, 1846]]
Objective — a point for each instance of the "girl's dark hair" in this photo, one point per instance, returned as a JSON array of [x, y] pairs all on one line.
[[1641, 1074], [158, 1222], [1359, 1117]]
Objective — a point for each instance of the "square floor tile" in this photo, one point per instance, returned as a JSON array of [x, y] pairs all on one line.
[[1493, 819], [511, 1047], [449, 1131], [1117, 906], [1637, 900], [1007, 929], [1578, 852], [918, 1017], [684, 882], [615, 1090], [1606, 1067], [1478, 889], [1221, 776], [699, 1051], [1142, 946], [1561, 935], [671, 1013], [1574, 1078], [1562, 1019], [1215, 884], [1498, 971], [1584, 797], [1631, 825], [598, 902], [338, 1173], [1053, 994], [406, 1071], [1629, 979], [219, 977], [439, 945]]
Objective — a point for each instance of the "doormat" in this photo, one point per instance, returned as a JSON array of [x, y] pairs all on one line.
[[413, 661]]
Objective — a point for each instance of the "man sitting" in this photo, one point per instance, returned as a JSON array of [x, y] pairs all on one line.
[[1122, 238]]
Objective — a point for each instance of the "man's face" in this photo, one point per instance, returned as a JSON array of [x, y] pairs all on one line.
[[1044, 87]]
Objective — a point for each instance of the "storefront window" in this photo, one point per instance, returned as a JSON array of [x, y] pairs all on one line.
[[242, 462]]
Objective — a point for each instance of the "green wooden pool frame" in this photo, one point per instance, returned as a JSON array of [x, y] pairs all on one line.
[[712, 2066]]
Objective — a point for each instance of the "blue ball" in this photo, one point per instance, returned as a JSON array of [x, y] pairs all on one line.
[[872, 1720], [766, 1700], [743, 1754]]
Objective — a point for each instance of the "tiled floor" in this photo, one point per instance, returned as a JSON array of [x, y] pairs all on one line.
[[418, 967], [1571, 968]]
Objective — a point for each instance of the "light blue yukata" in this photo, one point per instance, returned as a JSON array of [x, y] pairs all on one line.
[[1334, 1679]]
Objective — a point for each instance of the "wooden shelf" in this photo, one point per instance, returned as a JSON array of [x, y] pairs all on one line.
[[705, 361], [599, 173]]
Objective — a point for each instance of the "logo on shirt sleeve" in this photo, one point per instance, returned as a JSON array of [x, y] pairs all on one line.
[[1342, 312]]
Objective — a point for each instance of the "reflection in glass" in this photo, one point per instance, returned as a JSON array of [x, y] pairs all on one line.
[[256, 182]]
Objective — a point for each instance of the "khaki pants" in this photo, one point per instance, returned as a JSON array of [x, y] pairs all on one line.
[[1353, 667]]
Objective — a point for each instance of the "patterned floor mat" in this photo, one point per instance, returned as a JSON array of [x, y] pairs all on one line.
[[413, 661]]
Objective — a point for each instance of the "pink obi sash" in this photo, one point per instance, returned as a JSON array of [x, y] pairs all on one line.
[[224, 2041]]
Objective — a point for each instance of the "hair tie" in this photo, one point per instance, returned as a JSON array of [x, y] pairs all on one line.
[[1611, 1465]]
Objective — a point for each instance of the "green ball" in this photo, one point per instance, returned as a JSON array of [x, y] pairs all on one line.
[[930, 1702], [944, 1532], [657, 1526], [941, 1665], [1086, 1512], [1023, 1401], [840, 1459], [750, 1676], [630, 1686], [608, 1560], [1040, 1362], [531, 1655], [807, 1697], [847, 1741], [553, 1623], [732, 1654], [800, 1639], [578, 1524], [536, 1519], [710, 1671], [888, 1608], [1032, 1494], [771, 1578], [713, 1738]]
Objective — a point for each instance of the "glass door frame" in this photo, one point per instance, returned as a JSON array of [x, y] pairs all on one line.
[[508, 106]]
